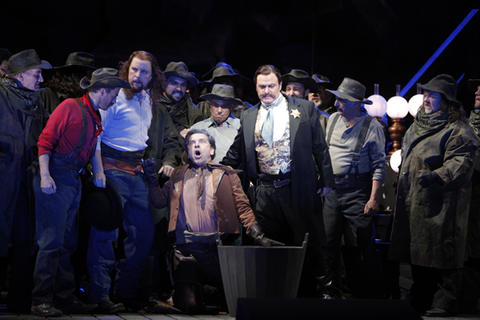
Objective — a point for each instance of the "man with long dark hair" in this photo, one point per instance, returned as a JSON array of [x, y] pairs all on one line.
[[117, 161]]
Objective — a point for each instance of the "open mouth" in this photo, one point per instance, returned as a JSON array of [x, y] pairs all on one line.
[[197, 154]]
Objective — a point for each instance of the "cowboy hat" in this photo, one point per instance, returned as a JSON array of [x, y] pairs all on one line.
[[222, 92], [180, 70], [80, 59], [324, 81], [473, 84], [222, 69], [101, 206], [351, 90], [104, 78], [26, 60], [300, 76], [444, 84]]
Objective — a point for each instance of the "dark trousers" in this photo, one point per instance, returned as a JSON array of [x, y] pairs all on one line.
[[435, 288], [343, 211], [195, 266], [274, 212], [21, 254], [56, 235], [139, 227]]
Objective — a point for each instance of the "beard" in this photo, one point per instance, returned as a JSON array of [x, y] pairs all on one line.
[[175, 96], [137, 86]]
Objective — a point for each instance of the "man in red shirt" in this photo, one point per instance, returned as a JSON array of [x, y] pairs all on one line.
[[64, 147]]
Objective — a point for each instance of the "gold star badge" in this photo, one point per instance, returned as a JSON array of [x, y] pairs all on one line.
[[295, 113]]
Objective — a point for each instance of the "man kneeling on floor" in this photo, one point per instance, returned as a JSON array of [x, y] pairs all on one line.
[[203, 198]]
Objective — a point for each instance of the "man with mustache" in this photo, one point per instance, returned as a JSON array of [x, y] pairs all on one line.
[[117, 160], [21, 123], [280, 145], [177, 101], [64, 147], [356, 143]]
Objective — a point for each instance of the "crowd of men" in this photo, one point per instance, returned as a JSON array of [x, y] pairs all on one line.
[[120, 182]]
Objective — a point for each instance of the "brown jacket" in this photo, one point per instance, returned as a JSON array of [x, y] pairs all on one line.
[[231, 203]]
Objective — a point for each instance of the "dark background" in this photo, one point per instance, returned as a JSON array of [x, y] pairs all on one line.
[[373, 41]]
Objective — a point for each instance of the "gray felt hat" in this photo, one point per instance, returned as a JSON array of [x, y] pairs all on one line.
[[351, 90]]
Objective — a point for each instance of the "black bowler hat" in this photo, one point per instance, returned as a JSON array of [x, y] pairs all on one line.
[[101, 207]]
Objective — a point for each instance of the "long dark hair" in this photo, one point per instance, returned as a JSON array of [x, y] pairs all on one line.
[[155, 86], [454, 110], [66, 81]]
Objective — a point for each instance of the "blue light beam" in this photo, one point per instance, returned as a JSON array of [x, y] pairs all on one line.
[[438, 52]]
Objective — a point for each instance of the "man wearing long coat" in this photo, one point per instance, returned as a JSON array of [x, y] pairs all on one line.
[[431, 212]]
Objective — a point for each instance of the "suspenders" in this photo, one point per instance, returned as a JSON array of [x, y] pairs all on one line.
[[360, 140], [84, 131]]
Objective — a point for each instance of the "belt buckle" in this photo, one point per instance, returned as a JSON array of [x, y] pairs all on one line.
[[278, 183]]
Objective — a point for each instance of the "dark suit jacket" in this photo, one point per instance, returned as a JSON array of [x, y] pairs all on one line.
[[308, 150]]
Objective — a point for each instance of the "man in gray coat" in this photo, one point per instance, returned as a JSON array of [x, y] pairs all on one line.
[[431, 211]]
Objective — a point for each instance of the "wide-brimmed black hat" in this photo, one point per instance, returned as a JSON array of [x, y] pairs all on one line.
[[222, 69], [104, 78], [26, 60], [473, 84], [79, 59], [101, 206], [351, 90], [444, 84], [180, 70], [300, 76], [324, 81], [222, 92]]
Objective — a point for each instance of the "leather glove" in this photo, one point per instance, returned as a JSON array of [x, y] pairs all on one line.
[[149, 171], [260, 239], [426, 178]]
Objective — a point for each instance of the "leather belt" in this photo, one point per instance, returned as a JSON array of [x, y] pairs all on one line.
[[115, 164], [353, 176], [274, 183]]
